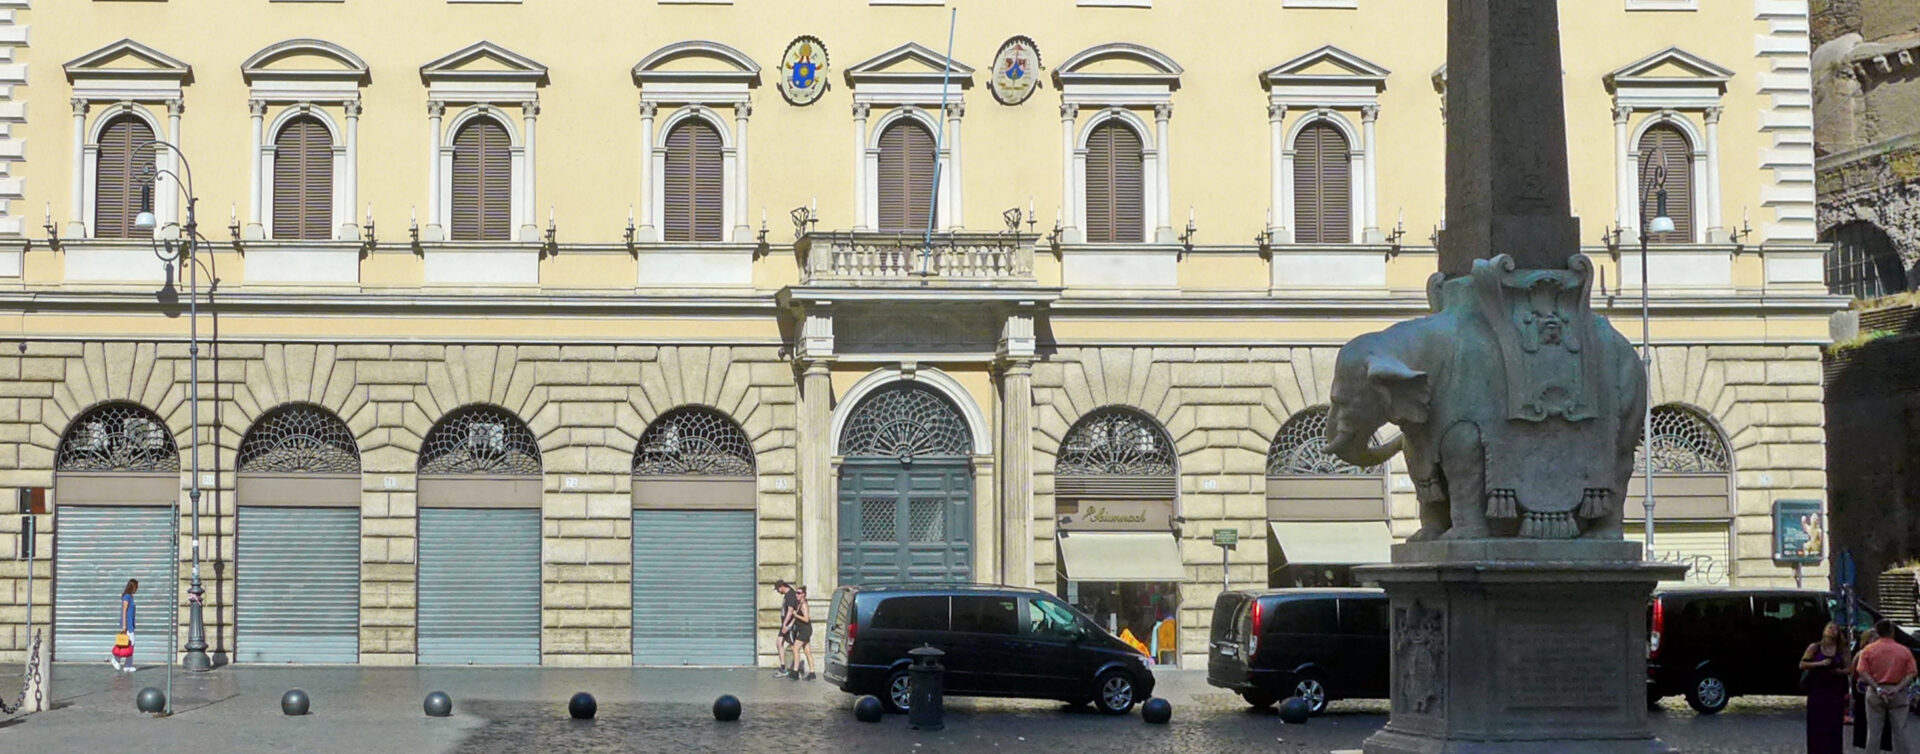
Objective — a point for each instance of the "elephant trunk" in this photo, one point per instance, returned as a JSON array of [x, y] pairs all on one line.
[[1353, 448]]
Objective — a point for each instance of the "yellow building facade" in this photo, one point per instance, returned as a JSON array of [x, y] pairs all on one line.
[[549, 331]]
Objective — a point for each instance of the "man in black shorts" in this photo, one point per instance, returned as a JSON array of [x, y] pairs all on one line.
[[785, 642]]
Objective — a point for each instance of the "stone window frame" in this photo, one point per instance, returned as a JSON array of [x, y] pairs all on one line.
[[1333, 99], [491, 93], [125, 91], [1111, 95], [303, 92], [914, 94], [1694, 104], [695, 94]]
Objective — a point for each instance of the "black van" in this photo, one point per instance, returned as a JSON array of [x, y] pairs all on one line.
[[1000, 641], [1317, 644], [1714, 644]]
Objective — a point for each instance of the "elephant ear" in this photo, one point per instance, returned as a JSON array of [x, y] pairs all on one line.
[[1406, 388]]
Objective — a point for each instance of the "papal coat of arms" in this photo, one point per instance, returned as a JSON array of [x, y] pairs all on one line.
[[1016, 71], [803, 70]]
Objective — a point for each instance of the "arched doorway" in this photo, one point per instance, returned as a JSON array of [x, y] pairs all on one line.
[[906, 489], [1862, 262], [116, 476], [297, 566], [1326, 515], [1693, 496], [1116, 479], [693, 541], [479, 577]]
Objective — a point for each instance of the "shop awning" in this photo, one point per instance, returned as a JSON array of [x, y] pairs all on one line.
[[1333, 542], [1121, 556]]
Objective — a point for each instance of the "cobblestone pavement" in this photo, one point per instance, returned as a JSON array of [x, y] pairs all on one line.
[[646, 710]]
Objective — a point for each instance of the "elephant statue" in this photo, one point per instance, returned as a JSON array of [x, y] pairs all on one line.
[[1519, 408]]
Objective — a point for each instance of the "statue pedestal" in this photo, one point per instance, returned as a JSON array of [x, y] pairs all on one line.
[[1518, 646]]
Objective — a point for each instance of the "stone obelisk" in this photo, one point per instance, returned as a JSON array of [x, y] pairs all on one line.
[[1518, 610]]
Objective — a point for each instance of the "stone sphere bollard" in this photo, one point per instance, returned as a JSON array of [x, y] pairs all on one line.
[[726, 709], [438, 704], [295, 703], [867, 709], [582, 706], [151, 699], [1295, 711], [1157, 711]]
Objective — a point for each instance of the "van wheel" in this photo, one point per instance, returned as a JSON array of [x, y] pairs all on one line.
[[899, 692], [1708, 694], [1314, 691], [1114, 692], [1258, 699]]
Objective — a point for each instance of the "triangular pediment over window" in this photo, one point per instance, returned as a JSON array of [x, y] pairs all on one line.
[[1327, 65], [910, 63], [484, 61], [127, 59], [1671, 65]]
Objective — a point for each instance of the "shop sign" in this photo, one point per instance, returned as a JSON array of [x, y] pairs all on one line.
[[1799, 532], [1117, 515]]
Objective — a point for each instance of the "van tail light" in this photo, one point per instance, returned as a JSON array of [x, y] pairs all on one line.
[[1253, 630], [1653, 632], [853, 630]]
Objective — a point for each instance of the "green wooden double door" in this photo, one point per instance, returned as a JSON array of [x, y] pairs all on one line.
[[906, 521]]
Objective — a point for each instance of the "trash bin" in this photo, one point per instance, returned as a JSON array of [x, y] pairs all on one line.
[[925, 701]]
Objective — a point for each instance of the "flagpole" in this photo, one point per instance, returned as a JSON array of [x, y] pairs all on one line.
[[939, 146]]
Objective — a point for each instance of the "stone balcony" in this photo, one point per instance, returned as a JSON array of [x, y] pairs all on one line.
[[880, 257]]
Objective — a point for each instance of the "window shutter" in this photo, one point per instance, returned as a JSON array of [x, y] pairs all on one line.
[[1322, 186], [1665, 146], [906, 176], [303, 180], [123, 167], [482, 182], [693, 182], [1116, 185]]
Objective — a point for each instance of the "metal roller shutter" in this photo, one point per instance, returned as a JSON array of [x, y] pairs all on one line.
[[298, 585], [479, 586], [1705, 548], [906, 177], [1665, 146], [693, 581], [96, 550]]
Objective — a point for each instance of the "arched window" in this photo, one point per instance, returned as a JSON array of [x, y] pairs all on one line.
[[906, 421], [117, 437], [299, 437], [692, 181], [1116, 185], [693, 441], [480, 440], [482, 182], [1301, 449], [906, 176], [1862, 262], [1322, 185], [1116, 441], [1684, 442], [303, 180], [125, 165], [1664, 146]]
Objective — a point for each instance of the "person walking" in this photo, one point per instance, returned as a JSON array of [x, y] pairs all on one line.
[[121, 656], [1825, 667], [1888, 671], [801, 636], [784, 641]]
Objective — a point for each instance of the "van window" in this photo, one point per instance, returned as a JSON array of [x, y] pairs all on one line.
[[987, 615], [1796, 616], [1366, 616], [1225, 612], [1049, 619], [912, 614], [1714, 613], [1302, 616]]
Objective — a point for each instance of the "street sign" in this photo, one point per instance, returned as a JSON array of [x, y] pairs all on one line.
[[1226, 537]]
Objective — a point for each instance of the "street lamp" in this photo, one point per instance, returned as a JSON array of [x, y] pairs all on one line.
[[1660, 223], [183, 253]]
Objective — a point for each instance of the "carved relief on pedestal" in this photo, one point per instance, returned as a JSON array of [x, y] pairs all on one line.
[[1419, 660]]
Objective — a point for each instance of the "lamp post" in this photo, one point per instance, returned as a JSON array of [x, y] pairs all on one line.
[[1660, 223], [183, 253]]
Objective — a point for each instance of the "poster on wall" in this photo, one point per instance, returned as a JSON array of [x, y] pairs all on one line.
[[1799, 532], [803, 70], [1016, 71]]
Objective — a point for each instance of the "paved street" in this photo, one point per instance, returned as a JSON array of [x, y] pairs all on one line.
[[521, 710]]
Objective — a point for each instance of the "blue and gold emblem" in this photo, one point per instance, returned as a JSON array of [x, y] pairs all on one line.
[[803, 70], [1016, 71]]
